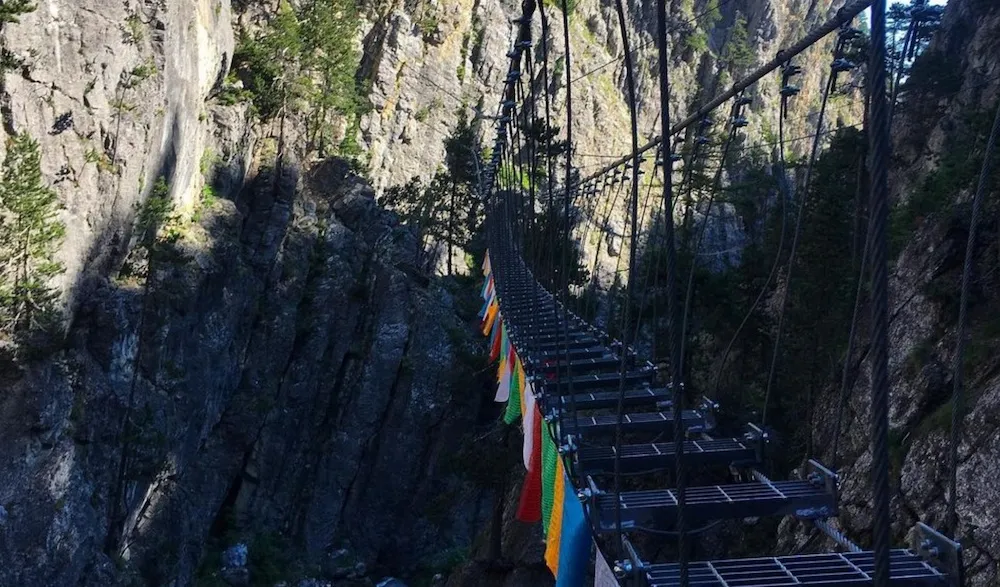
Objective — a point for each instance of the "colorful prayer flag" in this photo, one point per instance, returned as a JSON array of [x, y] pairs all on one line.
[[516, 385], [530, 419], [567, 543], [491, 315], [495, 338], [553, 535], [574, 544], [530, 507], [550, 456], [506, 369]]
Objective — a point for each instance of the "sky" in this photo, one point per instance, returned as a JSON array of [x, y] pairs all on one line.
[[868, 11]]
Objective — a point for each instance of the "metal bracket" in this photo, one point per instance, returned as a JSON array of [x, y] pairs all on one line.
[[707, 407], [633, 566], [821, 476], [589, 495], [941, 552], [569, 447], [759, 439]]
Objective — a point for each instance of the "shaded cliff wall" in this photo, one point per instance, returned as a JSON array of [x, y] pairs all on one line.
[[428, 61], [938, 139], [280, 368]]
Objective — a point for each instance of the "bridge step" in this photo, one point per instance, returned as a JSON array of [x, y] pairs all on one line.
[[554, 333], [542, 317], [638, 458], [538, 359], [659, 422], [657, 509], [853, 569], [555, 349], [599, 381], [643, 396], [577, 366]]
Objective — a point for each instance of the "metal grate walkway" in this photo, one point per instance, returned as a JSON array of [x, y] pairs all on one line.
[[658, 508], [636, 458], [815, 570]]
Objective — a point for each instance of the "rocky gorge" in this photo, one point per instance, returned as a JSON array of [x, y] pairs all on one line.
[[275, 368]]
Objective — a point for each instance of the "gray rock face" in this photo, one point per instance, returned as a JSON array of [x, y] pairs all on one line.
[[924, 291], [285, 373], [280, 368], [431, 63], [115, 92]]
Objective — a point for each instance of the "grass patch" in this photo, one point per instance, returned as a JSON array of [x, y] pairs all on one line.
[[134, 31], [918, 357], [937, 421], [898, 448]]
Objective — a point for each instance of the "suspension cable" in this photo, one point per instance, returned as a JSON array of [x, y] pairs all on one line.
[[674, 344], [703, 225], [566, 213], [846, 385], [782, 196], [958, 399], [633, 248], [880, 147], [796, 233]]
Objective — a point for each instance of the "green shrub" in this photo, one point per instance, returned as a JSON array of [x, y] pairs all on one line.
[[697, 41], [30, 236]]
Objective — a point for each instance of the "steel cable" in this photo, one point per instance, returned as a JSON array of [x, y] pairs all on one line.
[[958, 399], [879, 152], [634, 205], [796, 232]]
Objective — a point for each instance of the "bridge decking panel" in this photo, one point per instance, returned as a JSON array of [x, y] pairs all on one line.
[[809, 570], [637, 458], [645, 396], [660, 422], [657, 508]]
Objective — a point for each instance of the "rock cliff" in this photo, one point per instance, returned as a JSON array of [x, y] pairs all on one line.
[[280, 370], [430, 62], [274, 367], [938, 139]]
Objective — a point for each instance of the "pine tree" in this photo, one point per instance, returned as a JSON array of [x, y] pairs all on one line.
[[11, 10], [30, 235], [269, 62], [737, 53], [329, 60]]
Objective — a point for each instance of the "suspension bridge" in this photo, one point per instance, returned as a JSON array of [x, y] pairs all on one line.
[[613, 440]]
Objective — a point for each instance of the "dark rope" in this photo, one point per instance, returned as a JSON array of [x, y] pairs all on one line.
[[549, 164], [675, 343], [633, 251], [879, 149], [597, 253], [958, 397], [907, 39], [796, 232], [774, 267], [846, 385], [702, 228], [566, 198]]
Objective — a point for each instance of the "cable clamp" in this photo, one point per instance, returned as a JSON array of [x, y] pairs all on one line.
[[623, 568]]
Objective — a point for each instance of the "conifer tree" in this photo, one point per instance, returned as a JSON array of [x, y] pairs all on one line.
[[329, 59], [11, 10], [30, 235], [269, 62], [737, 52]]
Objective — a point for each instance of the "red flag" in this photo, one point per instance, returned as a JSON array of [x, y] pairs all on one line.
[[530, 508]]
